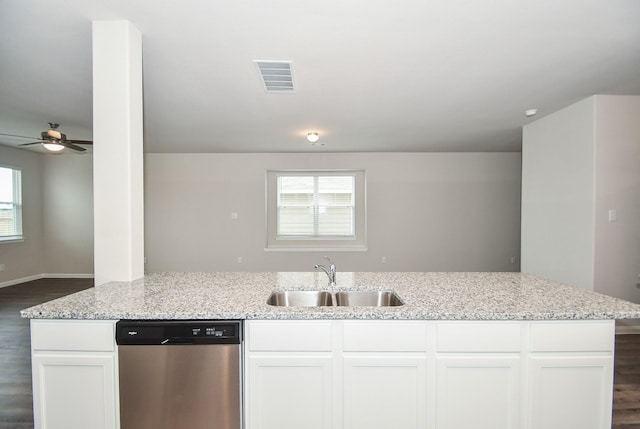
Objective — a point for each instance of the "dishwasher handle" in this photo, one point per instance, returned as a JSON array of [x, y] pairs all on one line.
[[174, 341]]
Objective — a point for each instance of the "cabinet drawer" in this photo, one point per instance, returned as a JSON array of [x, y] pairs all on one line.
[[582, 336], [73, 335], [478, 337], [286, 335], [383, 336]]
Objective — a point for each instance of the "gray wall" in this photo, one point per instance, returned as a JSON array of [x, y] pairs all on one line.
[[617, 244], [558, 197], [57, 217], [426, 212], [25, 258], [68, 208], [579, 164]]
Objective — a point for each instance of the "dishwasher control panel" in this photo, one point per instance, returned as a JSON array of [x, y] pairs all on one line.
[[175, 332]]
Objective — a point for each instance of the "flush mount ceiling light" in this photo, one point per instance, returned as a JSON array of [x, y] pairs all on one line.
[[530, 112], [313, 137]]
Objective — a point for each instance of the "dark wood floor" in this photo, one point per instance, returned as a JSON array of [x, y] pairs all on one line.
[[15, 358], [626, 393], [15, 346]]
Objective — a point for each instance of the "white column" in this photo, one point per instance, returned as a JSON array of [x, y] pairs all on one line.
[[117, 152]]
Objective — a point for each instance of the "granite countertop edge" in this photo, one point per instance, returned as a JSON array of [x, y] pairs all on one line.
[[427, 296]]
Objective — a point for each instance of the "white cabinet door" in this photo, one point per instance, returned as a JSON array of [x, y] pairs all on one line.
[[571, 392], [289, 391], [382, 392], [480, 392], [74, 391]]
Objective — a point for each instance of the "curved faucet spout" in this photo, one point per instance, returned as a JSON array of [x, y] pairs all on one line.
[[330, 272]]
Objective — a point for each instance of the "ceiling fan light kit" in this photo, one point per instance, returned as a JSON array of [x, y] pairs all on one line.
[[53, 140], [53, 147]]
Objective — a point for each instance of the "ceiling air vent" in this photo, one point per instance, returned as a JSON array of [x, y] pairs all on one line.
[[277, 76]]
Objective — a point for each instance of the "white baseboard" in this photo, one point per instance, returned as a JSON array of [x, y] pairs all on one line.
[[46, 276], [21, 280], [67, 276]]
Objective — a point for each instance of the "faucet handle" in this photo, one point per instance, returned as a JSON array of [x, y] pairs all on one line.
[[332, 266]]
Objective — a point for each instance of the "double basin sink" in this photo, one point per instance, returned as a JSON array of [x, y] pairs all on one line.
[[348, 298]]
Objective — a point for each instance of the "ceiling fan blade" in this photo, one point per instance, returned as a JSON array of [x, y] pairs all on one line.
[[54, 137], [70, 145], [15, 135]]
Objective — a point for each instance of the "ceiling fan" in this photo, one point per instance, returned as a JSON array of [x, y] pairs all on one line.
[[54, 140]]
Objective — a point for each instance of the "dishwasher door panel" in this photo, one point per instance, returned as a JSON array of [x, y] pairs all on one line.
[[180, 386]]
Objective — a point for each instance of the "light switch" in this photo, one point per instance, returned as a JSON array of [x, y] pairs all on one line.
[[613, 215]]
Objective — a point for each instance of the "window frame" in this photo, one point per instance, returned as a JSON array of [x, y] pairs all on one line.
[[17, 205], [357, 242]]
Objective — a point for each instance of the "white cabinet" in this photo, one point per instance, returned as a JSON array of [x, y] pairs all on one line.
[[347, 374], [289, 375], [571, 375], [334, 374], [571, 392], [478, 375], [384, 374], [477, 391], [382, 392], [74, 374], [74, 391], [290, 391]]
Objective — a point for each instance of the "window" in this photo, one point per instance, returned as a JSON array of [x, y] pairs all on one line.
[[315, 206], [10, 204], [316, 210]]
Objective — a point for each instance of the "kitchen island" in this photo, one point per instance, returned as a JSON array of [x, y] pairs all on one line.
[[482, 350]]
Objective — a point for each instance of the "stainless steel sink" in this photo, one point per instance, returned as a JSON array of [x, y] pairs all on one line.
[[367, 298], [300, 298], [345, 298]]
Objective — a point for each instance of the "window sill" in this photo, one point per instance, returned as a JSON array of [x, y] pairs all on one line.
[[316, 249], [11, 240]]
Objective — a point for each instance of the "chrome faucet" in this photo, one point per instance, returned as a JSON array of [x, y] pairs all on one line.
[[330, 272]]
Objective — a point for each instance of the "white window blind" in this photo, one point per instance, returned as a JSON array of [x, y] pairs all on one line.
[[10, 204], [315, 210], [316, 206]]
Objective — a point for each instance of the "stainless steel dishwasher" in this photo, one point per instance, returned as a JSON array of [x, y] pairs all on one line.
[[180, 374]]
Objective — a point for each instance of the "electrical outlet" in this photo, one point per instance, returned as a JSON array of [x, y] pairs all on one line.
[[383, 259], [1, 267], [513, 259], [239, 259]]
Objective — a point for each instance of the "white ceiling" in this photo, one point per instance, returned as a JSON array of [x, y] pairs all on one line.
[[370, 75]]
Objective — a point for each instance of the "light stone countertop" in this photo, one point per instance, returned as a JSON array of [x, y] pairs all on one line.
[[427, 296]]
